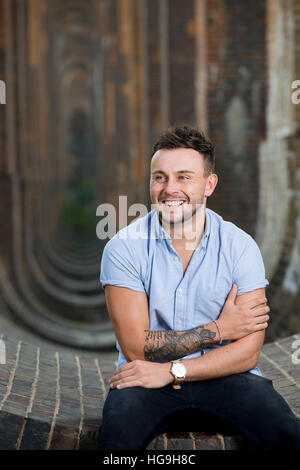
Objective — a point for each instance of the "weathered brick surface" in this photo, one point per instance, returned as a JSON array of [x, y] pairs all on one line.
[[54, 400], [135, 66], [236, 65], [10, 426], [35, 434]]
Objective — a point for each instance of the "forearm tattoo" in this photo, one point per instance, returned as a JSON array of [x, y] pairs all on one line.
[[165, 346]]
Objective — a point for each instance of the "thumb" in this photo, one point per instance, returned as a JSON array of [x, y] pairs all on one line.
[[232, 294]]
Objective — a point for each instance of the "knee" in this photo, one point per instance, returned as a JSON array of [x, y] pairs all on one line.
[[121, 426], [290, 434], [124, 405], [285, 435]]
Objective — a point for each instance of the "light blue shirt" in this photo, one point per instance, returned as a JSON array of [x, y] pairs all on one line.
[[141, 257]]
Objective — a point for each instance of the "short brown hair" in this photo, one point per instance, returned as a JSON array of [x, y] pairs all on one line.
[[188, 137]]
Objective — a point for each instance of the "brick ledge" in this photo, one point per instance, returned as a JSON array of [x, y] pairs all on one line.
[[54, 400]]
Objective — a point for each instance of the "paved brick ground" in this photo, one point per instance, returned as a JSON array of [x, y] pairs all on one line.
[[53, 399]]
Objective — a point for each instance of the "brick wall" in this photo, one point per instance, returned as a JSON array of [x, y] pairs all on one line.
[[133, 67], [278, 213], [53, 399], [236, 104]]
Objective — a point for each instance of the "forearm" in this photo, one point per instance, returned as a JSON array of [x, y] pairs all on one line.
[[237, 357], [168, 345]]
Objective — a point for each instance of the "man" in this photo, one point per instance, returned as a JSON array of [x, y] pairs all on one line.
[[187, 302]]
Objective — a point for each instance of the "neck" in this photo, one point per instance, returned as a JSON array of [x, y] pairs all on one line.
[[189, 234]]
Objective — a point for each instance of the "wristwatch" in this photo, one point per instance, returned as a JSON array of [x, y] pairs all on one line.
[[178, 369]]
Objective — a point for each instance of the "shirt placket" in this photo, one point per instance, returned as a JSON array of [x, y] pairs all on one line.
[[181, 314], [179, 298]]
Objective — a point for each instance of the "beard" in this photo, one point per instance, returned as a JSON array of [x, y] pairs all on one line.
[[185, 216]]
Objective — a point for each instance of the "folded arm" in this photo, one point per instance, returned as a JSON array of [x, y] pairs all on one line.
[[239, 356], [130, 317]]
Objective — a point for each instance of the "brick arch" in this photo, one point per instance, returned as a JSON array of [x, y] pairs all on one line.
[[35, 286], [139, 69], [278, 228]]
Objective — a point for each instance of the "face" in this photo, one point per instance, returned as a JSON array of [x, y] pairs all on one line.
[[178, 186]]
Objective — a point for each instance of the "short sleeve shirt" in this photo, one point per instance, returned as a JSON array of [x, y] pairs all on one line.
[[141, 257]]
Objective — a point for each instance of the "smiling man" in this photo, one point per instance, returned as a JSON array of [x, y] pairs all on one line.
[[187, 302]]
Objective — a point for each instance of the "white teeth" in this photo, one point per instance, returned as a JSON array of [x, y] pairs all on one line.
[[173, 203]]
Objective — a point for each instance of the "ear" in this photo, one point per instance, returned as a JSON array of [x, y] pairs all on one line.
[[211, 183]]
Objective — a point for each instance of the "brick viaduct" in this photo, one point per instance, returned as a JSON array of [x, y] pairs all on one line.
[[89, 86]]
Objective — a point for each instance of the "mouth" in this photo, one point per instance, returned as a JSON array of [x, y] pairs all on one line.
[[172, 203]]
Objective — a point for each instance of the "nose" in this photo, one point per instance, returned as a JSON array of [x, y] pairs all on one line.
[[172, 186]]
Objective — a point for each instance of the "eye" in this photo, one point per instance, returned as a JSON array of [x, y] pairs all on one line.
[[184, 177], [158, 177]]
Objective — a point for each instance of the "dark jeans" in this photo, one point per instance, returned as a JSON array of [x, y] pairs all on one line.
[[245, 403]]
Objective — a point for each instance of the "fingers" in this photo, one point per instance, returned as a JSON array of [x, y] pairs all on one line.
[[254, 302], [260, 311], [134, 383], [128, 373], [125, 379], [116, 378], [232, 294], [127, 366], [126, 384], [262, 319], [261, 326], [261, 322]]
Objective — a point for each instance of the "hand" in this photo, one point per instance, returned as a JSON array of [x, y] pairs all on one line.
[[140, 373], [237, 321]]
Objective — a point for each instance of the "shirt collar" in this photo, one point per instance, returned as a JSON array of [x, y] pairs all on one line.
[[161, 234]]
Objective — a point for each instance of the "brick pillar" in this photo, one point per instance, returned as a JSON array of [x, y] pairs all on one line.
[[235, 104], [278, 223]]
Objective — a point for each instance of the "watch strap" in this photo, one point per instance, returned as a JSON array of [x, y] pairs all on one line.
[[177, 380]]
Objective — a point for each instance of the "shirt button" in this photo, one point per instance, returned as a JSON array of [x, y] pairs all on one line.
[[175, 258], [179, 321], [180, 290]]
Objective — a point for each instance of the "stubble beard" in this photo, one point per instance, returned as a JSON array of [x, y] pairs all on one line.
[[180, 221]]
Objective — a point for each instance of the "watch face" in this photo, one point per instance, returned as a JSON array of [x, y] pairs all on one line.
[[179, 369]]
